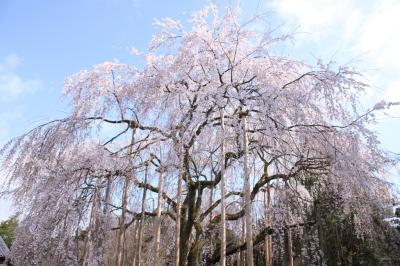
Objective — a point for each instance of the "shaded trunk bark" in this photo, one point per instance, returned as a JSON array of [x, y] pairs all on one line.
[[189, 213], [187, 222], [194, 257]]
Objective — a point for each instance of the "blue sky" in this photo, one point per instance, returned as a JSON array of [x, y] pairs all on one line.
[[44, 41]]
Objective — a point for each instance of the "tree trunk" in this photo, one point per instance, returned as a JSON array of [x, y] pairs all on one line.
[[158, 217], [246, 189], [187, 220], [223, 222], [142, 215], [121, 232], [194, 258]]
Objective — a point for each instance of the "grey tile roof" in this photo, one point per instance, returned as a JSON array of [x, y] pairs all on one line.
[[4, 251]]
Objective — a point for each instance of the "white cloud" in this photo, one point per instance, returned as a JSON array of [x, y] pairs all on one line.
[[7, 121], [319, 17], [12, 85], [10, 61], [6, 210], [379, 34], [364, 29]]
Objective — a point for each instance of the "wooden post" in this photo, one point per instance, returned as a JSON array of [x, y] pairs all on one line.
[[88, 247], [142, 215], [135, 237], [267, 221], [158, 216], [223, 192], [289, 231], [243, 253], [211, 201], [246, 189], [121, 232], [179, 206]]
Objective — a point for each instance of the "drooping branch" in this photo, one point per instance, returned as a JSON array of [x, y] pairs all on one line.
[[216, 203], [155, 190], [261, 182], [215, 182]]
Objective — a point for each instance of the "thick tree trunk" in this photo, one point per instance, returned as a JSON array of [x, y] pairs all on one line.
[[223, 222], [246, 189], [142, 215], [188, 213], [127, 183], [194, 258], [158, 217]]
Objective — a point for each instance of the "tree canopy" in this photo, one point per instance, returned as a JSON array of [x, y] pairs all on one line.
[[296, 132]]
